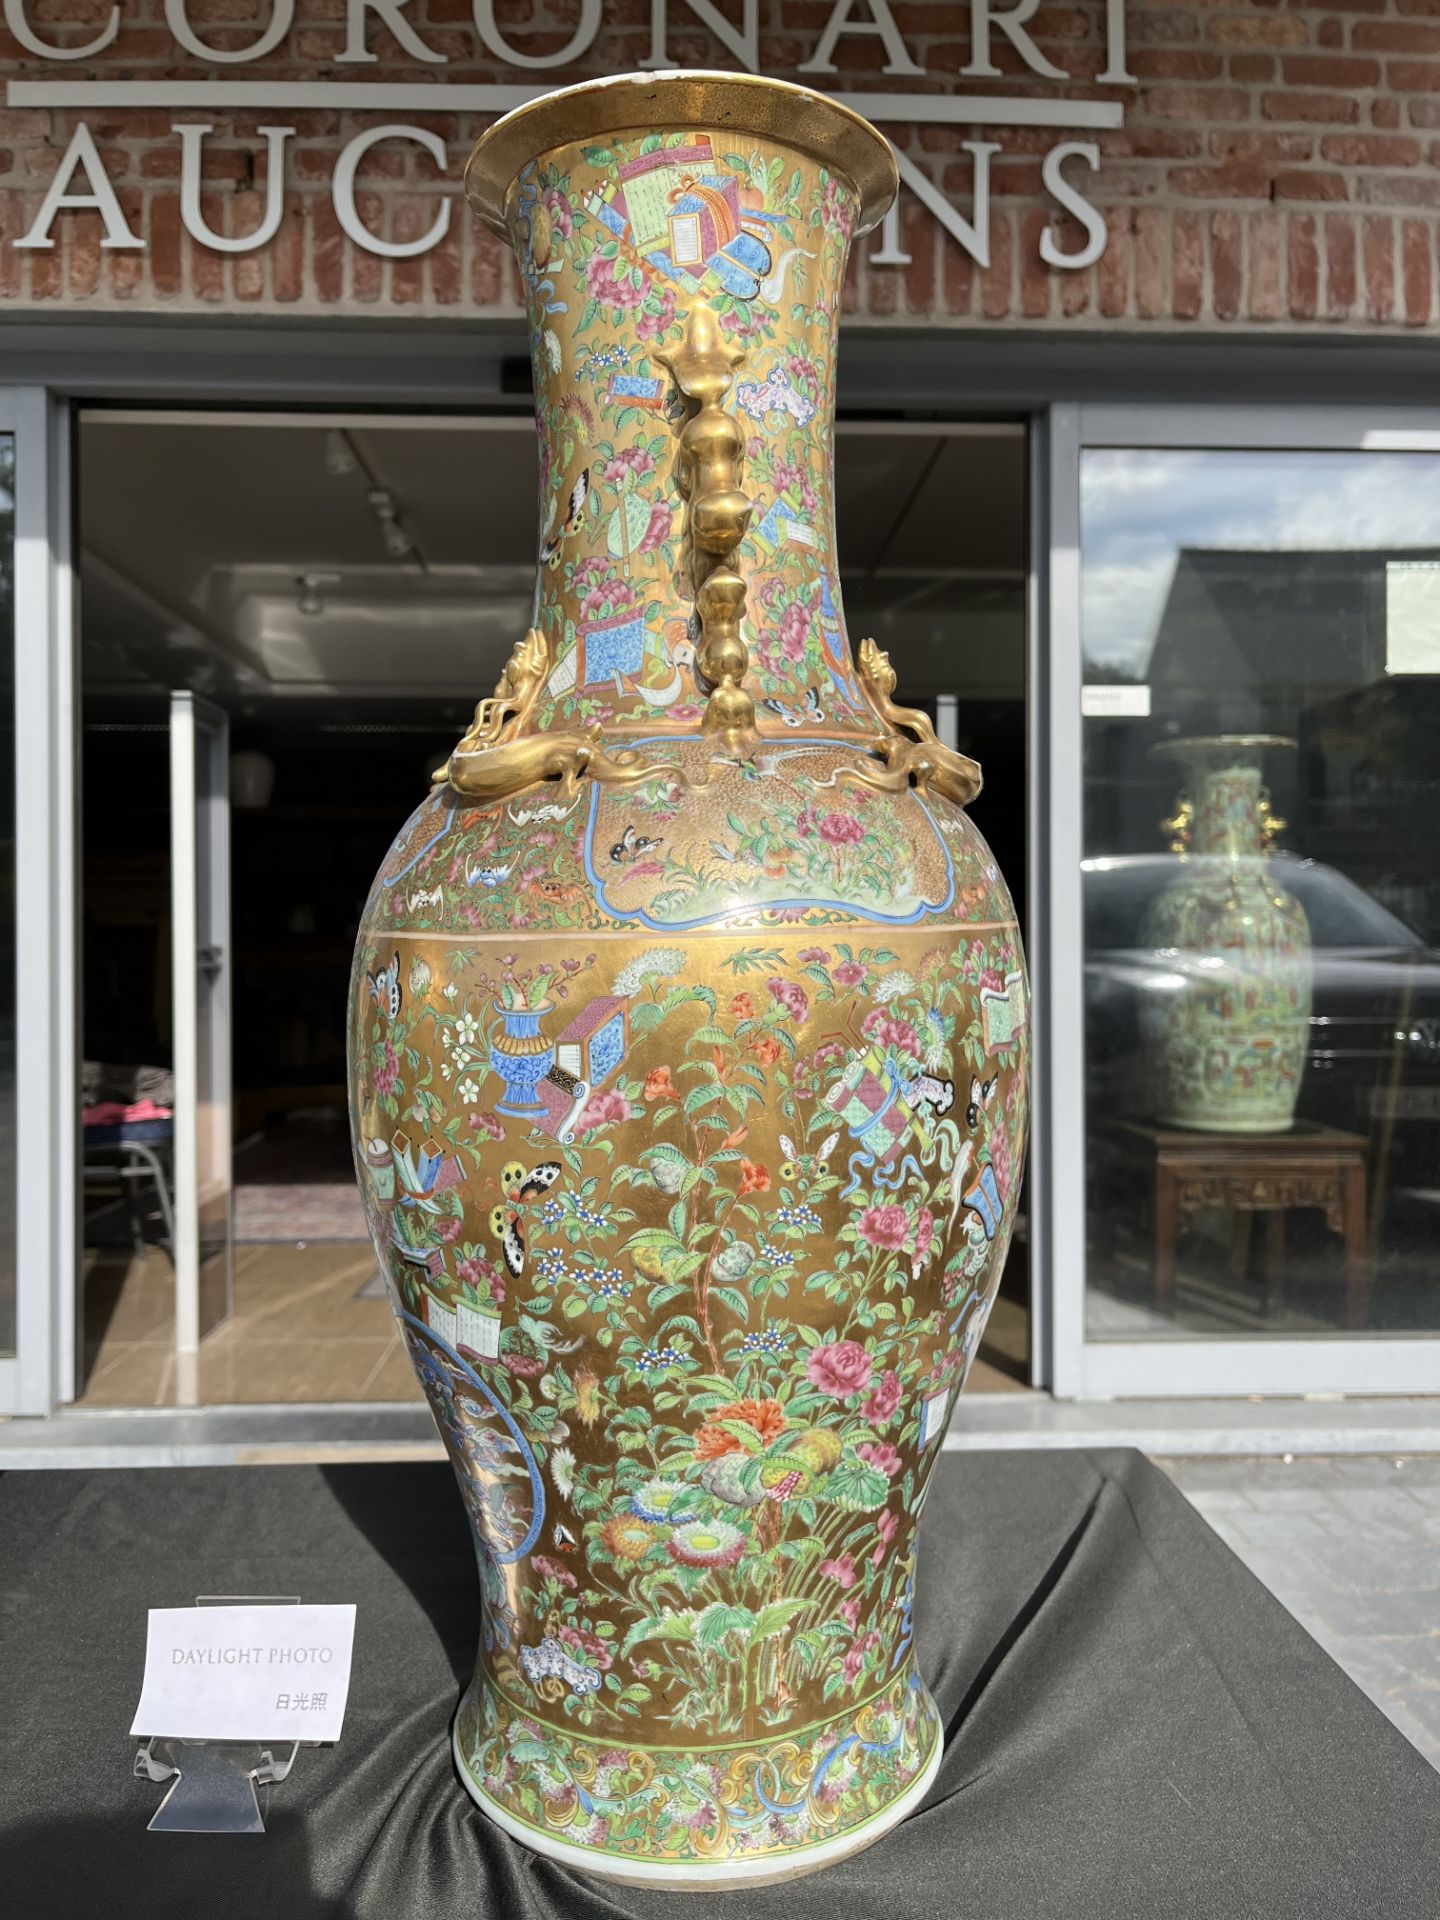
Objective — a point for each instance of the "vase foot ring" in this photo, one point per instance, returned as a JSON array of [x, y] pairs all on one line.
[[724, 1876]]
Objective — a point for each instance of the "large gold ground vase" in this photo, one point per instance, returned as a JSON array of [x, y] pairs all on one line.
[[688, 1038]]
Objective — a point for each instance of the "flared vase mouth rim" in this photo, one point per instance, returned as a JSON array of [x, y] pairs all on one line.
[[751, 105], [1222, 743]]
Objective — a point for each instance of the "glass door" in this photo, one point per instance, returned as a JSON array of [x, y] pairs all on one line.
[[1254, 1129], [200, 909]]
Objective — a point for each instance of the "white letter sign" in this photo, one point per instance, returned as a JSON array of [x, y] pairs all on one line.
[[180, 26], [883, 23], [192, 138], [343, 192], [578, 42], [1012, 25], [355, 52], [23, 31], [80, 156]]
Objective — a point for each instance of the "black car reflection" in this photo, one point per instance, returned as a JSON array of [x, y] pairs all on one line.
[[1373, 1064]]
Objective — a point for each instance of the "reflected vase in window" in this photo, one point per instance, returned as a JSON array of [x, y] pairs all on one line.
[[1225, 1042]]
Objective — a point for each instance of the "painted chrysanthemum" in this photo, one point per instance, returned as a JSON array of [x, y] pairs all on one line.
[[706, 1543], [626, 1536], [654, 1500]]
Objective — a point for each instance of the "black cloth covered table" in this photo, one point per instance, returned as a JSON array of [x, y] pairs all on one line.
[[1134, 1727]]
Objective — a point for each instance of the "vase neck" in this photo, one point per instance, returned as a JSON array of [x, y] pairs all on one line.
[[616, 244], [1226, 800]]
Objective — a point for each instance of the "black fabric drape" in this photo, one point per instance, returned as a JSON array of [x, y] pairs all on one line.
[[1134, 1727]]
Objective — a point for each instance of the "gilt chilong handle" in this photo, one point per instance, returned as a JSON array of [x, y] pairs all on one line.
[[717, 513]]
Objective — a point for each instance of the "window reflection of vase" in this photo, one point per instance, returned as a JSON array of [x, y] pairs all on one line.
[[522, 1057], [1226, 1035]]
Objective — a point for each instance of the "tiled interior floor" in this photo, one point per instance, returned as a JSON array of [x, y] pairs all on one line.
[[304, 1329], [1352, 1548], [297, 1332]]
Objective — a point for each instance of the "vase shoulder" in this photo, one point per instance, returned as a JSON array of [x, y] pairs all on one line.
[[787, 839]]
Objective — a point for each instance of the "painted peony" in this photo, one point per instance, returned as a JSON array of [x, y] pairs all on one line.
[[840, 829], [885, 1226], [766, 1417], [791, 996], [839, 1368], [600, 1109], [884, 1398]]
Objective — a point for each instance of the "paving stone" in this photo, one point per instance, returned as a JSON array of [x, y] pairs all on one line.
[[1381, 1569], [1348, 1547]]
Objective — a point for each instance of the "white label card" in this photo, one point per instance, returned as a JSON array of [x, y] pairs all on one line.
[[1118, 702], [246, 1673]]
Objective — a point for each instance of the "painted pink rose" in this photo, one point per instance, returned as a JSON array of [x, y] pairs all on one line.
[[884, 1398], [885, 1226], [842, 1571], [848, 974], [881, 1455], [839, 1368], [841, 829], [600, 1109], [812, 957]]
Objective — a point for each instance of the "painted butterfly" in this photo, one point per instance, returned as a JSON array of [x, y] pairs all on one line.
[[982, 1093], [579, 493], [384, 985], [521, 1183], [505, 1226]]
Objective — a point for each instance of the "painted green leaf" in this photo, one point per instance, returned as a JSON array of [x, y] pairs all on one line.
[[718, 1619], [855, 1484], [734, 1299], [600, 156], [663, 1626], [775, 1617]]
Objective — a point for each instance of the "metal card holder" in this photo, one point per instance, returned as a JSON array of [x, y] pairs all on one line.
[[214, 1783]]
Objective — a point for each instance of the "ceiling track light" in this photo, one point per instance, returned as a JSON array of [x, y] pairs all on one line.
[[393, 535], [340, 457]]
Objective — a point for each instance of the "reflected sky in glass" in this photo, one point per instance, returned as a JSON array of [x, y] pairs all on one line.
[[1141, 507]]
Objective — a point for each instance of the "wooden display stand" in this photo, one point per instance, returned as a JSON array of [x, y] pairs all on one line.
[[1269, 1173]]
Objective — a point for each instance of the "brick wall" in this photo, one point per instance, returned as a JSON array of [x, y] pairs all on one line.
[[1277, 167]]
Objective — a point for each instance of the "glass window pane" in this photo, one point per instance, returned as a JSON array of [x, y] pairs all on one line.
[[1261, 638]]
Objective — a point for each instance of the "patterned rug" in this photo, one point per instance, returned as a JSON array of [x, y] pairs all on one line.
[[304, 1210], [297, 1183]]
